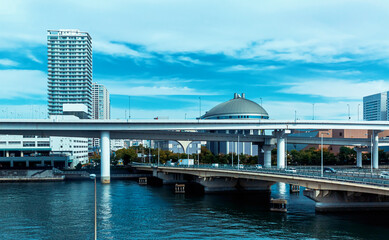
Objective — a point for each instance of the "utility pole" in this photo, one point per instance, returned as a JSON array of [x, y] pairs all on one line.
[[129, 107]]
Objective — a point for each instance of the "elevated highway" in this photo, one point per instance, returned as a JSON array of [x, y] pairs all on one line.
[[181, 130]]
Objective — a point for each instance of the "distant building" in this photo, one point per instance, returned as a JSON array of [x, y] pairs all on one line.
[[101, 103], [69, 69], [375, 107], [101, 109], [237, 108]]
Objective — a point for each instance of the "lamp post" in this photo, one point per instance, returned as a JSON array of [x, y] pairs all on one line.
[[348, 107], [158, 154], [232, 155], [238, 151], [371, 152], [322, 164], [93, 176]]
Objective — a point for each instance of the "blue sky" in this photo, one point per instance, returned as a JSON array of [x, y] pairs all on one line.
[[166, 54]]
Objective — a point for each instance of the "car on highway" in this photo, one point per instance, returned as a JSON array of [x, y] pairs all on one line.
[[384, 175], [291, 170], [258, 166], [329, 170]]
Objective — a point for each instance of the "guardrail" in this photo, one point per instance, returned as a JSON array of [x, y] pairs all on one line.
[[344, 174]]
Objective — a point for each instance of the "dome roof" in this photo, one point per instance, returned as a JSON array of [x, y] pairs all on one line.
[[238, 106]]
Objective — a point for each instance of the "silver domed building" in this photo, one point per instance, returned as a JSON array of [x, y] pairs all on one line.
[[237, 108]]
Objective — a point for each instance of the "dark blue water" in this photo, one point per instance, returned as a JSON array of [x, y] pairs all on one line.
[[129, 211]]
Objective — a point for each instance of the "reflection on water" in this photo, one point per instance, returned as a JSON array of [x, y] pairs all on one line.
[[129, 211], [105, 211]]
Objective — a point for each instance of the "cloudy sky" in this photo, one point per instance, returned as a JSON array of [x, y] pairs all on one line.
[[168, 54]]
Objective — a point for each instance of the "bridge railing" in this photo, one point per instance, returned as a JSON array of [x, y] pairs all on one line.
[[342, 174]]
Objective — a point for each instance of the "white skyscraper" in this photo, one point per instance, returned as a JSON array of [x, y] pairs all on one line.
[[69, 69], [101, 103], [375, 107]]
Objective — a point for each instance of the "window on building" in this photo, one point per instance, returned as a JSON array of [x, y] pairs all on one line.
[[28, 144]]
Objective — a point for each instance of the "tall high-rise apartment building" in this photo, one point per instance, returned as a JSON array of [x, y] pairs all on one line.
[[69, 69], [100, 102], [375, 107]]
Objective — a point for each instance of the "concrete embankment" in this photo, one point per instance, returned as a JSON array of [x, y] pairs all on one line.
[[29, 176]]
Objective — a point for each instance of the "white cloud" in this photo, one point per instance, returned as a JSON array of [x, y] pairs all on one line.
[[8, 62], [285, 110], [336, 88], [152, 90], [33, 111], [191, 60], [117, 49], [22, 84], [308, 31], [151, 87], [32, 57], [237, 68]]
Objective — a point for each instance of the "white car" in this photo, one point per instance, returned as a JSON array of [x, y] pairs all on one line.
[[291, 170], [258, 166], [384, 175]]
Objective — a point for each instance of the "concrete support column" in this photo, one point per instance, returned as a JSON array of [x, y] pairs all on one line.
[[280, 152], [12, 163], [27, 163], [105, 157], [359, 156], [281, 137], [267, 155], [52, 163], [375, 150]]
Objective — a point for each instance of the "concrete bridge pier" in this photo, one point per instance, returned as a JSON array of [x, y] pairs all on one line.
[[343, 201], [359, 156], [218, 184], [267, 155], [375, 149], [105, 157], [169, 178]]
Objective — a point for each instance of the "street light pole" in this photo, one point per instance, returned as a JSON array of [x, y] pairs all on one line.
[[348, 106], [232, 154], [371, 152], [158, 154], [238, 151], [322, 164], [93, 176]]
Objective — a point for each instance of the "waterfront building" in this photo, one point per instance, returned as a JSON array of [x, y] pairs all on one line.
[[237, 108], [69, 69], [375, 107]]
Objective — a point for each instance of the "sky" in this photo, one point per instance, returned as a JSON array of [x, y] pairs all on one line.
[[175, 58]]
